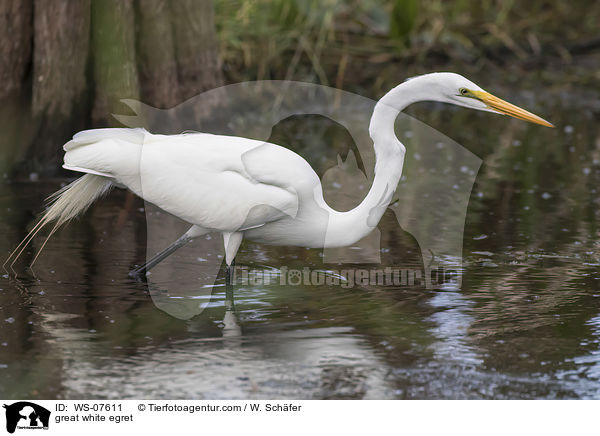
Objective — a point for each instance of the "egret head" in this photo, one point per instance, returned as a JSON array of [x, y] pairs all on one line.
[[460, 91]]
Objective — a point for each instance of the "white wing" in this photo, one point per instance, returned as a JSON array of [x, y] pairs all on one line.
[[224, 183]]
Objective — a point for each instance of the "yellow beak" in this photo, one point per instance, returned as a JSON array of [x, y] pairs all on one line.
[[507, 108]]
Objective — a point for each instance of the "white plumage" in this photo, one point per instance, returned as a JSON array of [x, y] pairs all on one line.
[[245, 188]]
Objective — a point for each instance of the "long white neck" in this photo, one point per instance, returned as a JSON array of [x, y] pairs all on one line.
[[345, 228]]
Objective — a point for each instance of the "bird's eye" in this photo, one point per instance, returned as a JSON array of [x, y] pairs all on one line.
[[463, 91]]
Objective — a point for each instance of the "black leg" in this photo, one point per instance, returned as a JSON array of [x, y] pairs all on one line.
[[229, 273], [229, 297], [141, 271]]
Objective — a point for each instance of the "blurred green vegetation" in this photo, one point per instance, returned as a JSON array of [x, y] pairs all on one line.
[[373, 44]]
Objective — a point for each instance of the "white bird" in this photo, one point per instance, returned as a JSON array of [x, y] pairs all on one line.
[[249, 189]]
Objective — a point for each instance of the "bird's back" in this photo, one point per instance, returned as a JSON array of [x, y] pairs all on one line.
[[218, 182]]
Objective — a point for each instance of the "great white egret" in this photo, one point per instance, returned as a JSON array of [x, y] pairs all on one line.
[[245, 188]]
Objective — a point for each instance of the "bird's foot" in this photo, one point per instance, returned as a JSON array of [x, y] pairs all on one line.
[[138, 274]]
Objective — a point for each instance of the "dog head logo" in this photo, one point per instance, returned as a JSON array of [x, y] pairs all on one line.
[[26, 415]]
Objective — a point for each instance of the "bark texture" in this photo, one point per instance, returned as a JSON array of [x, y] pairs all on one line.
[[114, 61], [65, 65], [60, 56], [156, 54], [61, 47], [15, 43], [196, 46]]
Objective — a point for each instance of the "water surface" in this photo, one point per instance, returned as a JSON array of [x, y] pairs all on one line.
[[525, 322]]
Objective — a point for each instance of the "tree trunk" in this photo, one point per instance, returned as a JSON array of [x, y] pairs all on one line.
[[196, 46], [61, 46], [16, 20], [156, 54], [68, 63], [113, 46], [15, 43], [197, 55]]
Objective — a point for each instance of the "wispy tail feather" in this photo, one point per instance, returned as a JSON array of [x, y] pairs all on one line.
[[64, 205], [75, 198]]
